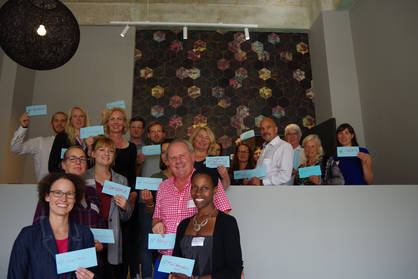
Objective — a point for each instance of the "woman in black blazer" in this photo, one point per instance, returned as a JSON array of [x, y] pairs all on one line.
[[210, 237]]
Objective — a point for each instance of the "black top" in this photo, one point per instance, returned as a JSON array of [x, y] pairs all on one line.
[[226, 251], [200, 249], [125, 163], [61, 141]]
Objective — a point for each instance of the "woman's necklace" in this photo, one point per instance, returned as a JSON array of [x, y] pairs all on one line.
[[197, 227]]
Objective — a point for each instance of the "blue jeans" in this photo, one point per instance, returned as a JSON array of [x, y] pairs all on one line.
[[157, 274], [145, 255]]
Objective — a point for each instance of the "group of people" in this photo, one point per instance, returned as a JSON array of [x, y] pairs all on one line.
[[190, 202]]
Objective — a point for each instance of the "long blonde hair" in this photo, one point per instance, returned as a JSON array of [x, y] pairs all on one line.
[[106, 116], [69, 128], [212, 140]]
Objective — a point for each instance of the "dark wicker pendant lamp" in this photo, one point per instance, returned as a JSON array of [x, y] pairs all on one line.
[[20, 33]]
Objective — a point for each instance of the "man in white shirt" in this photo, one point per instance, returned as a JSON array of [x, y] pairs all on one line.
[[293, 134], [277, 155], [39, 147]]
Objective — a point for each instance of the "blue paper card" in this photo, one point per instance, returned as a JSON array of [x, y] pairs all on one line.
[[149, 150], [257, 172], [117, 104], [296, 159], [103, 235], [70, 261], [216, 161], [308, 171], [91, 131], [247, 135], [156, 241], [347, 151], [148, 183], [113, 189], [36, 110], [170, 264], [63, 152]]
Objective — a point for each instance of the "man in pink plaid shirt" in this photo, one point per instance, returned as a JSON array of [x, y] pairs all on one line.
[[174, 202]]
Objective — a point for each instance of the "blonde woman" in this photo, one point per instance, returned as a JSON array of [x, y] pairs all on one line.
[[78, 119], [204, 145], [330, 173], [114, 209]]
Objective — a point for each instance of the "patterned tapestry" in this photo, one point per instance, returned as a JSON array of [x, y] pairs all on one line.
[[218, 79]]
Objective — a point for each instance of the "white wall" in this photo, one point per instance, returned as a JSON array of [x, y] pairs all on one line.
[[385, 43], [101, 71], [334, 71], [323, 232]]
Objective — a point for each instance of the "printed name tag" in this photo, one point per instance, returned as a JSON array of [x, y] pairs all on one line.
[[216, 161], [308, 171], [347, 151], [198, 241], [117, 104], [94, 207], [70, 261], [190, 204], [36, 110], [113, 189], [91, 131], [149, 150], [247, 135]]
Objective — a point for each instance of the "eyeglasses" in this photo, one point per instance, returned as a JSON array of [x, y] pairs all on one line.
[[74, 159], [59, 194]]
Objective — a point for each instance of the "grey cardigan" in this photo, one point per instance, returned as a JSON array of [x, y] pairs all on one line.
[[116, 215]]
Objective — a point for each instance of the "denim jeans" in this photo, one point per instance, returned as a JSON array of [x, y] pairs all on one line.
[[157, 274]]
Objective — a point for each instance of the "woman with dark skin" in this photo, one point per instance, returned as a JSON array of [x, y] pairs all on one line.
[[211, 237]]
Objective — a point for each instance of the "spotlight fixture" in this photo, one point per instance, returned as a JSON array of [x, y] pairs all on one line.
[[247, 33], [185, 33], [124, 31]]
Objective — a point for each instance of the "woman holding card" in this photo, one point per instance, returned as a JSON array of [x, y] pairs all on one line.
[[34, 251], [243, 160], [114, 209], [78, 119], [204, 144], [330, 173], [356, 170], [210, 237]]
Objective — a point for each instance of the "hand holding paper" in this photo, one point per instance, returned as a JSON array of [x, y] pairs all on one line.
[[175, 264], [156, 241], [148, 183], [70, 261], [216, 161]]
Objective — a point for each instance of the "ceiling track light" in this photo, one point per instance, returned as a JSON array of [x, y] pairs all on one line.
[[246, 33], [185, 33], [124, 31]]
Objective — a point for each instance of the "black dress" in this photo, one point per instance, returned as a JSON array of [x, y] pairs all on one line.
[[125, 163]]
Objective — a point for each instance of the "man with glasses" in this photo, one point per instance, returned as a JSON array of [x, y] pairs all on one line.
[[39, 147], [293, 134]]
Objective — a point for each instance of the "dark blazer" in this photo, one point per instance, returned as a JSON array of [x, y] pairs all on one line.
[[226, 253], [34, 250]]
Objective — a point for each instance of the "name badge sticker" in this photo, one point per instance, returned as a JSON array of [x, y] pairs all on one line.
[[198, 241], [190, 204]]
